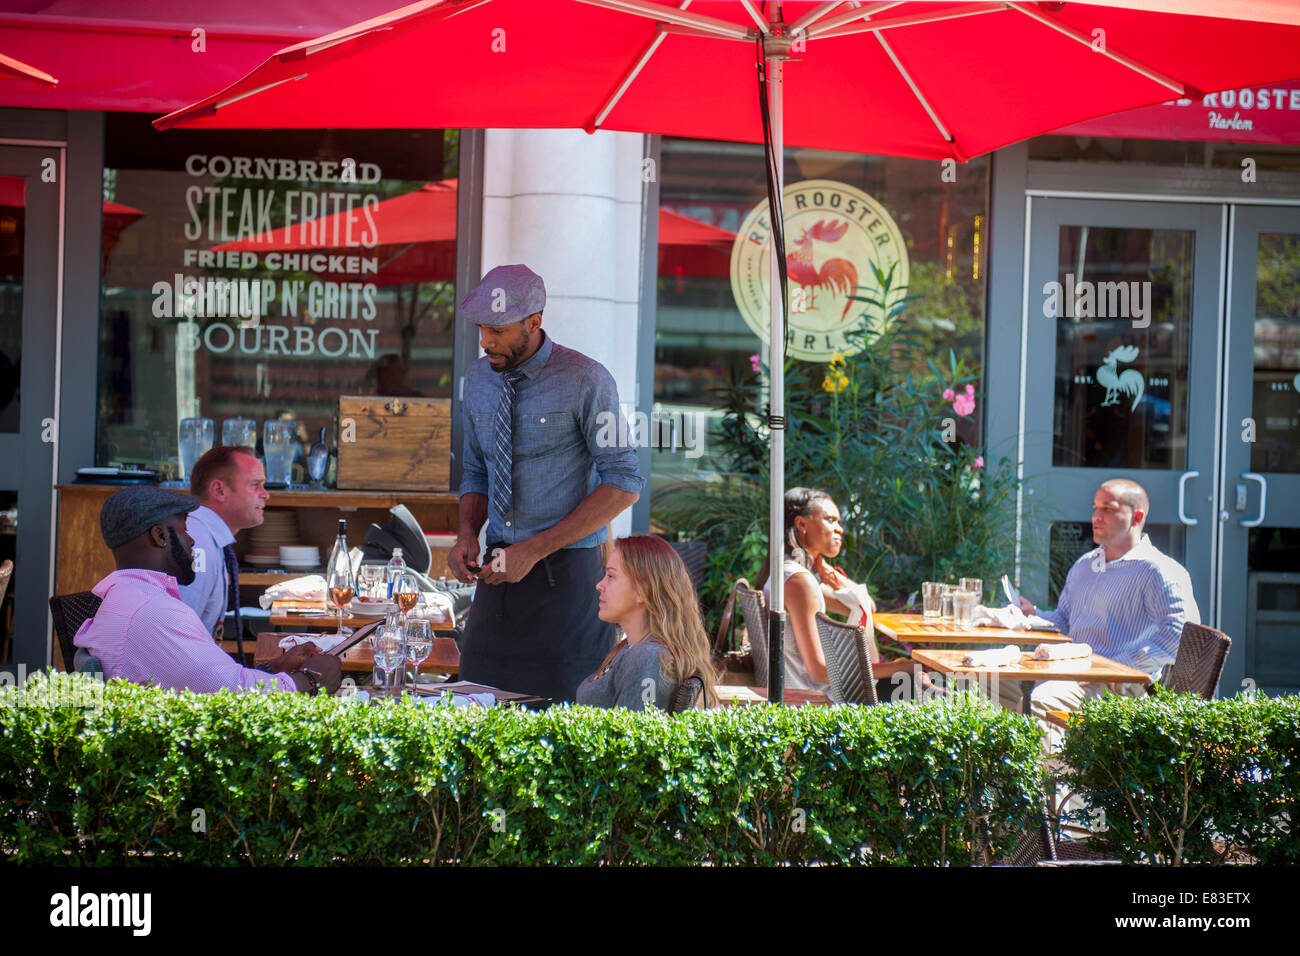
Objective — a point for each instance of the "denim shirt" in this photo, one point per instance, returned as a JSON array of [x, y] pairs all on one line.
[[569, 436]]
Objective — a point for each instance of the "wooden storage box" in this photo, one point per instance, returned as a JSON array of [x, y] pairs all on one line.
[[394, 443]]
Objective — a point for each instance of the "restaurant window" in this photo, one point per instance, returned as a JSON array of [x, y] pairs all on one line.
[[707, 189], [262, 274]]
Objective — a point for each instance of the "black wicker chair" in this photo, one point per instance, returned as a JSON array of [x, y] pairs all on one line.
[[70, 611], [1202, 652], [848, 662], [753, 608], [688, 695]]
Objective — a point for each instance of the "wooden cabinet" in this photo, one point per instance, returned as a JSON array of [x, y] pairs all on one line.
[[82, 559]]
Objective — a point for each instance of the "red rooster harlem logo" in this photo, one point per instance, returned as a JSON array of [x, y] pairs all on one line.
[[833, 233]]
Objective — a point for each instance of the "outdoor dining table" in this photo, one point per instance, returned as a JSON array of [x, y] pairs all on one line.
[[1093, 670], [444, 659], [322, 617], [915, 629]]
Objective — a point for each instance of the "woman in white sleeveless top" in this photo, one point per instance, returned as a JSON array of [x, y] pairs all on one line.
[[813, 535]]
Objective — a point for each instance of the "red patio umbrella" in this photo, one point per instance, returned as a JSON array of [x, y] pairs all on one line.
[[936, 80], [414, 238]]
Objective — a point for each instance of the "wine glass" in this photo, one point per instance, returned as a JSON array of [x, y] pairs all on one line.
[[406, 593], [419, 645], [388, 650], [341, 584]]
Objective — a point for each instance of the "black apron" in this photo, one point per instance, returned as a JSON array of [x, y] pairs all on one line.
[[540, 636]]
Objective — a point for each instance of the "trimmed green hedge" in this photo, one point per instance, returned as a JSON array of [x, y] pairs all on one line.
[[1185, 780], [271, 780]]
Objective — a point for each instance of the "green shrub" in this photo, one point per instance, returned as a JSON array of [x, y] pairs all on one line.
[[154, 776], [1185, 780]]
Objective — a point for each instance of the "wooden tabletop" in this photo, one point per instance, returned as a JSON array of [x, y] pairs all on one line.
[[327, 619], [915, 629], [1096, 670], [445, 658], [738, 695]]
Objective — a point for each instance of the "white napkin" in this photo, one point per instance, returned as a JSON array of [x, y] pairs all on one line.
[[1010, 617], [1061, 652], [325, 642], [996, 657], [311, 587], [855, 598]]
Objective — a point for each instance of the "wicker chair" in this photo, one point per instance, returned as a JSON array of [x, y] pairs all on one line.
[[70, 611], [688, 695], [1202, 652], [754, 610], [848, 662]]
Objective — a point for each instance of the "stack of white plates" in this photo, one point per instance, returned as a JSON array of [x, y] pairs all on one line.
[[299, 557], [279, 527]]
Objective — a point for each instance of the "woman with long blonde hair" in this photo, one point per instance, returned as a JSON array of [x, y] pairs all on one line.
[[647, 592]]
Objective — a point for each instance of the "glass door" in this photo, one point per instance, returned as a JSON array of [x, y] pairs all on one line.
[[1121, 342], [30, 190], [1259, 518]]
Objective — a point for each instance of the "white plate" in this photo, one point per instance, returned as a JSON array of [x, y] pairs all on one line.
[[371, 610]]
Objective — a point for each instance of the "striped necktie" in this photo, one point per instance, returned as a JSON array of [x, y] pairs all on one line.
[[502, 495], [232, 597]]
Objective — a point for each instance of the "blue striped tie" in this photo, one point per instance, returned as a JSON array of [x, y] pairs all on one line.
[[502, 495]]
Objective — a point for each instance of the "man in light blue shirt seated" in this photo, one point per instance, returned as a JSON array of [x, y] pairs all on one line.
[[231, 487], [1125, 599]]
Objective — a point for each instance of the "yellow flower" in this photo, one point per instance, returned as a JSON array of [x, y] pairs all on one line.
[[835, 381]]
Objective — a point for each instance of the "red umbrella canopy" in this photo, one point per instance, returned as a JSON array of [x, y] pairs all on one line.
[[926, 79]]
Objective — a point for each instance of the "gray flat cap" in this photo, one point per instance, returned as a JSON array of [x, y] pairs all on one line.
[[507, 294], [131, 512]]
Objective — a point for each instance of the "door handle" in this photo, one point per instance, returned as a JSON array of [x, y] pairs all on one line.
[[1182, 497], [1263, 498]]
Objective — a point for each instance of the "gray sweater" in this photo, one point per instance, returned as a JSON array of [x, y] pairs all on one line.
[[635, 679]]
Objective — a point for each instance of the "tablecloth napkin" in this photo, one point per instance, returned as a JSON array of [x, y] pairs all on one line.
[[1061, 652], [310, 587], [995, 657]]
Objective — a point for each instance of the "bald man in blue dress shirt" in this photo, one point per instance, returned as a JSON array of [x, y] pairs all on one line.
[[1125, 599]]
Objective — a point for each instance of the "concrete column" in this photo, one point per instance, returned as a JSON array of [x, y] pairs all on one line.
[[568, 205]]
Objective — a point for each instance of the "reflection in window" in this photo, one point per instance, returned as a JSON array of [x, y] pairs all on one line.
[[1122, 306], [341, 242], [701, 338], [1276, 399], [13, 217]]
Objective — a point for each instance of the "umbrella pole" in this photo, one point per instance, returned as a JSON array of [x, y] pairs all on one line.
[[776, 411]]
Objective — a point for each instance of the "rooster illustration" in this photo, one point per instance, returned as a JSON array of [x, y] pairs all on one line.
[[1129, 382], [837, 274]]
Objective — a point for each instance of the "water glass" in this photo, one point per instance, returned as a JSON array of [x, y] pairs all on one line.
[[930, 592], [196, 437], [239, 431], [975, 586], [279, 442], [370, 580], [418, 646], [946, 592], [963, 609], [389, 652]]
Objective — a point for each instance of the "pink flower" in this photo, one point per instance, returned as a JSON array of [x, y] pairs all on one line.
[[978, 462], [948, 394], [963, 404], [755, 364], [970, 390]]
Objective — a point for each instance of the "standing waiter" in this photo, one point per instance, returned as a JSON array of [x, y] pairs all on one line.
[[547, 465]]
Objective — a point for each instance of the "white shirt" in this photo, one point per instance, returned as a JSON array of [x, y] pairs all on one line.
[[210, 592]]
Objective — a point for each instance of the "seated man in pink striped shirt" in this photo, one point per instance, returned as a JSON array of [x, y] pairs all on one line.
[[145, 633]]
